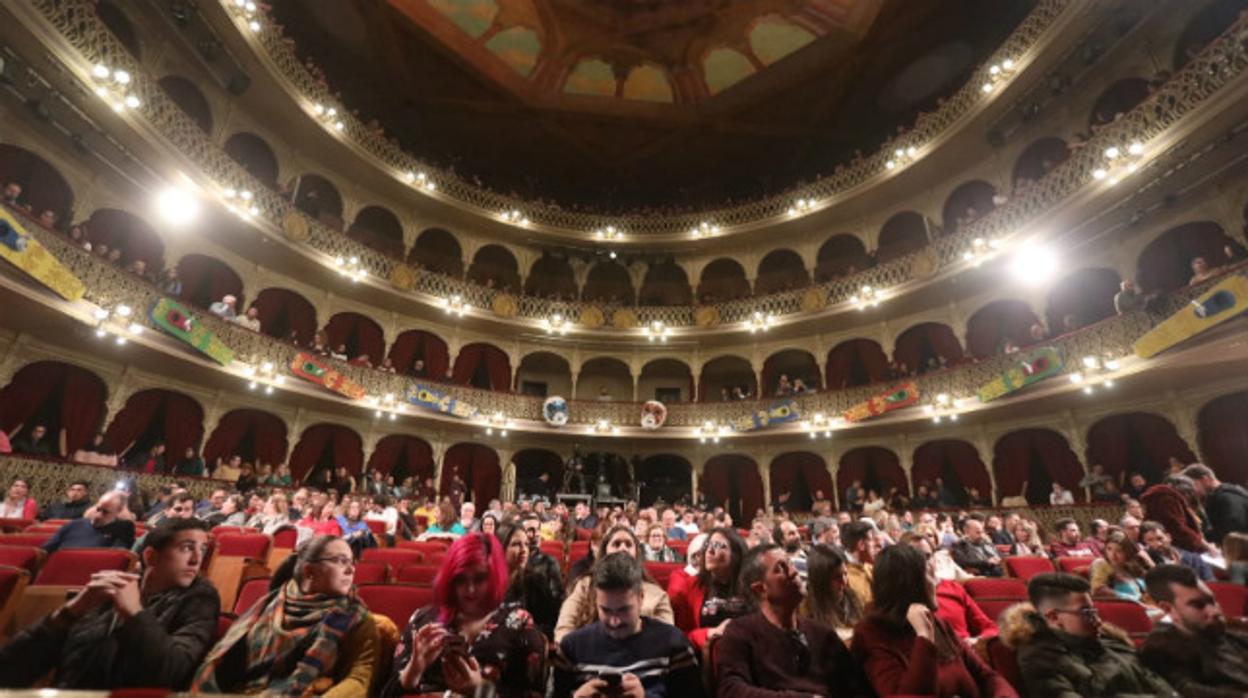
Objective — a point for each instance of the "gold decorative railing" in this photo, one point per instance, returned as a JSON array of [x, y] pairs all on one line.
[[49, 479], [1220, 62]]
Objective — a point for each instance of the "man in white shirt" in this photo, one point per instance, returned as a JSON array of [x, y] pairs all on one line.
[[382, 510], [1061, 496], [468, 517], [224, 308], [251, 320]]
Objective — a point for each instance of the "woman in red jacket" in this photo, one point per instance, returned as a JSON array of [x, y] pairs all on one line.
[[905, 649], [706, 603], [17, 503]]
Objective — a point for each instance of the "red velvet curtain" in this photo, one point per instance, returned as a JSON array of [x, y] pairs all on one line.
[[478, 467], [856, 362], [532, 462], [1166, 263], [80, 393], [264, 432], [1223, 425], [403, 456], [331, 443], [359, 333], [992, 324], [167, 416], [283, 311], [1136, 441], [878, 468], [803, 475], [129, 233], [1025, 455], [418, 344], [730, 481], [928, 339], [205, 280], [476, 360], [950, 460]]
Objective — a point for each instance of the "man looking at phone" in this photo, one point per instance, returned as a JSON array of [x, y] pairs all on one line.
[[625, 655]]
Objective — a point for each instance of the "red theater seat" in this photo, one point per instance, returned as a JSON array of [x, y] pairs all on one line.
[[1233, 598], [999, 588], [13, 581], [285, 537], [224, 621], [33, 539], [1025, 567], [218, 530], [1128, 615], [420, 575], [662, 571], [578, 549], [8, 525], [1075, 565], [424, 546], [372, 573], [553, 548], [24, 556], [993, 607], [75, 567], [252, 545], [395, 557], [395, 601], [251, 591]]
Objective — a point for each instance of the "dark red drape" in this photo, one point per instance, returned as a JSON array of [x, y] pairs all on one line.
[[129, 233], [992, 324], [80, 393], [478, 467], [878, 468], [803, 475], [1223, 424], [1025, 455], [929, 339], [856, 362], [326, 442], [418, 344], [956, 462], [797, 364], [172, 417], [730, 481], [265, 433], [1136, 441], [403, 456], [283, 311], [707, 387], [1166, 263], [361, 335], [483, 360], [205, 280]]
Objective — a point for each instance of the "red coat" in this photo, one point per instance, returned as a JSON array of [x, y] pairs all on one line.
[[959, 610], [1166, 506], [686, 595], [899, 663]]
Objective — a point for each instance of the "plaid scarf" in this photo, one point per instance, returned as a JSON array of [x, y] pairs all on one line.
[[291, 639]]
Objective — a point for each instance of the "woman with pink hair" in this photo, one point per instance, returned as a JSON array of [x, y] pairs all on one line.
[[468, 637]]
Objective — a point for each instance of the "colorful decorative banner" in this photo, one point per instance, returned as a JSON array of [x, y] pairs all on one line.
[[310, 368], [24, 252], [900, 396], [431, 398], [1217, 305], [653, 415], [555, 411], [178, 322], [1038, 364], [775, 413]]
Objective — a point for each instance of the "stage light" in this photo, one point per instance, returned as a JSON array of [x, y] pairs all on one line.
[[1033, 265], [177, 205]]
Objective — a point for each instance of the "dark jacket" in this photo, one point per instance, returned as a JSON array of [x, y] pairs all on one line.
[[1196, 666], [757, 659], [1057, 665], [540, 592], [977, 558], [81, 533], [65, 510], [1168, 507], [160, 647], [1227, 509]]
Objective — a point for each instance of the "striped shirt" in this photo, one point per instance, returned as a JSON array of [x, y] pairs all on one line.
[[659, 656]]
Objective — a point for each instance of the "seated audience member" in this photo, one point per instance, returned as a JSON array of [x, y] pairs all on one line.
[[381, 508], [1060, 496], [1235, 552], [96, 453], [673, 527], [275, 515], [1128, 299], [310, 634], [1120, 570], [213, 503], [1065, 650], [151, 462], [468, 634], [1195, 651], [999, 531], [355, 530], [17, 502], [655, 548], [250, 319], [224, 308], [99, 527], [233, 512], [861, 544], [1156, 543], [905, 648], [682, 577], [11, 193], [1225, 504], [645, 655], [774, 651], [953, 604], [537, 588], [170, 284], [578, 608], [181, 505], [447, 522], [33, 442], [1100, 484], [1172, 503], [789, 537], [1130, 526], [1068, 543], [126, 630], [322, 520], [829, 598], [974, 551], [1098, 530], [1201, 271], [191, 464], [74, 506], [710, 602], [339, 352]]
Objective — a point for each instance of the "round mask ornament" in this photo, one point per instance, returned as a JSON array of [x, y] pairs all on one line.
[[653, 415], [555, 411]]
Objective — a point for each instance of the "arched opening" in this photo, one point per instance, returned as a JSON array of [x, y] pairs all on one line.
[[665, 380], [206, 280], [1166, 264], [604, 379], [43, 186], [356, 336], [966, 204], [664, 477], [403, 456], [1136, 441], [927, 346], [477, 466], [437, 250], [665, 284], [1081, 299], [253, 435], [998, 326], [119, 26], [799, 479], [956, 464], [253, 154], [186, 95], [1037, 160], [494, 266], [551, 277], [609, 283], [781, 270], [324, 447], [793, 364], [124, 231], [1118, 99], [726, 378], [152, 417], [286, 315], [483, 366], [1206, 26], [723, 280], [319, 198], [378, 228], [874, 469], [531, 465], [67, 400], [543, 374], [731, 481], [856, 362], [1027, 462], [1223, 432], [900, 235], [841, 255], [420, 354]]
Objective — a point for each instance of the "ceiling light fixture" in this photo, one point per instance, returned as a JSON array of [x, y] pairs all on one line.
[[705, 229], [867, 297], [113, 86], [455, 305], [657, 330], [760, 321], [177, 204], [514, 217], [556, 324], [351, 267]]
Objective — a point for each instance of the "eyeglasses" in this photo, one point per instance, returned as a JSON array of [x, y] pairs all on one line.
[[718, 546], [339, 560]]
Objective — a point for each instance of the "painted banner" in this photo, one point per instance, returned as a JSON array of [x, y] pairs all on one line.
[[779, 412], [1036, 365], [1217, 305], [438, 400], [178, 322], [26, 253], [310, 368], [902, 395]]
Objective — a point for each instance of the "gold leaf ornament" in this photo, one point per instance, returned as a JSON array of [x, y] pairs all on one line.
[[815, 298], [624, 319], [706, 316], [591, 316], [294, 227], [403, 277], [505, 305]]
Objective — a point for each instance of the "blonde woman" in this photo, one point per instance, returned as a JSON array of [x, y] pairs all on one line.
[[1027, 540]]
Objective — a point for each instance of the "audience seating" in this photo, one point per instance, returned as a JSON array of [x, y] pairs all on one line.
[[372, 572], [8, 525], [395, 601], [224, 621], [35, 539], [419, 575], [578, 549], [395, 557], [424, 546], [553, 548], [993, 606], [250, 591], [680, 546], [662, 571], [13, 581], [42, 528], [583, 535], [1233, 598], [435, 558], [218, 530], [64, 572], [1128, 615], [24, 556], [237, 556], [1003, 659], [284, 541], [1025, 567], [996, 587], [1075, 565], [379, 532]]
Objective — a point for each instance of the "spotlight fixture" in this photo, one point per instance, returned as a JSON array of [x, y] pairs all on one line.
[[263, 377], [241, 202], [246, 11], [386, 406], [603, 426], [329, 116], [760, 321], [113, 86], [497, 423], [1033, 265], [657, 330], [1096, 372], [351, 267], [981, 249], [116, 320], [514, 217], [177, 204], [609, 233], [1120, 161], [705, 229], [420, 180], [998, 74], [944, 408], [455, 305], [801, 207], [902, 156], [867, 297], [556, 324], [819, 423], [710, 431]]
